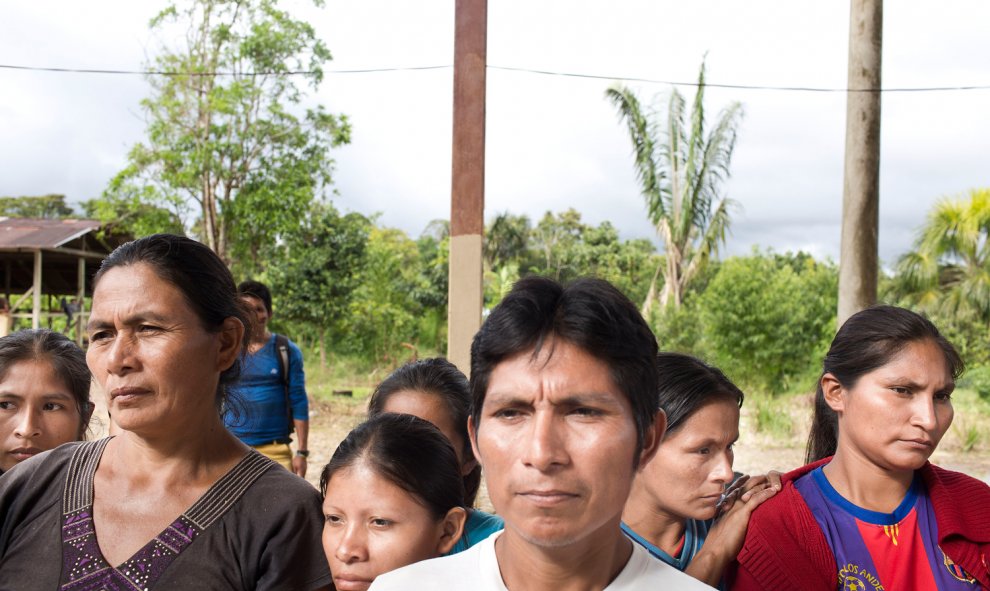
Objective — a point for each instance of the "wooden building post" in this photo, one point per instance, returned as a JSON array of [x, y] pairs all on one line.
[[36, 296], [467, 197]]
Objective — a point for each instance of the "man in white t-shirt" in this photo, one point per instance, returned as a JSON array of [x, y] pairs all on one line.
[[565, 410]]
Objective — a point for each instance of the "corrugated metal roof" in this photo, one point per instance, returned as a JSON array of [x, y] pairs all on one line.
[[41, 233]]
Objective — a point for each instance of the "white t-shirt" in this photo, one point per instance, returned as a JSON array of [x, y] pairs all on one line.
[[477, 569]]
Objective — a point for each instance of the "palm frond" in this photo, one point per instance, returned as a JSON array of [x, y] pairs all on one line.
[[644, 148]]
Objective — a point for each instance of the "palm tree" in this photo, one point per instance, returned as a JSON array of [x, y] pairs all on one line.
[[680, 172], [948, 272]]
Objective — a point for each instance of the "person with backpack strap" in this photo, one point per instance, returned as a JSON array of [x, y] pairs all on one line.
[[271, 393]]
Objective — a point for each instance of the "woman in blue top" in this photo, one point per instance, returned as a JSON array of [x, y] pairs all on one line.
[[677, 495], [436, 391]]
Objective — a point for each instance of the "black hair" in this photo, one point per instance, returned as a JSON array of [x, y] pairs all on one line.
[[868, 340], [408, 452], [588, 313], [687, 384], [201, 276], [440, 378], [68, 363], [256, 289]]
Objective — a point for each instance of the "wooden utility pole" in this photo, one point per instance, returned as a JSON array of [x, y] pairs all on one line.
[[858, 259], [467, 196]]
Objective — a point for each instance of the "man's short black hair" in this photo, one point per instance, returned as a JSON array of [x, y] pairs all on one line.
[[256, 289], [588, 313]]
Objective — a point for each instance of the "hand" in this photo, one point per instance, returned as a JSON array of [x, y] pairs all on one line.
[[725, 538], [744, 487], [299, 464], [740, 500]]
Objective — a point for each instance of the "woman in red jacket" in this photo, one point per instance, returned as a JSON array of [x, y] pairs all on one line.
[[869, 512]]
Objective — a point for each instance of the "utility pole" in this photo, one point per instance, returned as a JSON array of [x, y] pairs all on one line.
[[858, 259], [467, 196]]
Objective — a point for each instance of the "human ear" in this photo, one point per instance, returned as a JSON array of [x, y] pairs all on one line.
[[651, 441], [468, 466], [832, 390], [231, 338], [451, 528], [473, 436]]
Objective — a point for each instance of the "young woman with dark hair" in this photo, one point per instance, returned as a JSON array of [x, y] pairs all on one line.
[[436, 391], [44, 394], [393, 495], [677, 495], [870, 512]]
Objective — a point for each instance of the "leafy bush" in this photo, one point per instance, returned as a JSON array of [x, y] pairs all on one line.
[[768, 319], [977, 379]]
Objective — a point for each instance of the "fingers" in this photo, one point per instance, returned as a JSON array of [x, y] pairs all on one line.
[[727, 501], [761, 482]]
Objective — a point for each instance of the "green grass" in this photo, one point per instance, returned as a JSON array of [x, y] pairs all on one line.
[[971, 424], [772, 416], [341, 373]]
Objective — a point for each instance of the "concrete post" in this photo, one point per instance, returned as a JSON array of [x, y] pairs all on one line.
[[467, 198], [858, 259]]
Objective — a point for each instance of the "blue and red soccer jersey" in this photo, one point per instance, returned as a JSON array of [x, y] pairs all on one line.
[[877, 551]]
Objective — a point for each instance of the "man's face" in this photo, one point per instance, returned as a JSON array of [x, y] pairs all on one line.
[[261, 315], [557, 441]]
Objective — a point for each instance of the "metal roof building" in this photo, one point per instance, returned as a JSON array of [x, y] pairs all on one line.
[[41, 259]]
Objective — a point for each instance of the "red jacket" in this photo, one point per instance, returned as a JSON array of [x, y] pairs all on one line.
[[785, 549]]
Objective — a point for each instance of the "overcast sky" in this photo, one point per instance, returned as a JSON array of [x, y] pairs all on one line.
[[553, 142]]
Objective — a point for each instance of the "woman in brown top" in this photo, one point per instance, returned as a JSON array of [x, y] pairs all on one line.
[[175, 501]]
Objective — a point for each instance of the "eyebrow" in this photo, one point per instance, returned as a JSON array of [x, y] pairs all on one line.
[[99, 323], [910, 383], [578, 399], [45, 396]]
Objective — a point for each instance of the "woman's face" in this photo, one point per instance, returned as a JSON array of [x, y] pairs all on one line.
[[37, 412], [373, 527], [894, 416], [158, 366], [693, 464], [430, 407]]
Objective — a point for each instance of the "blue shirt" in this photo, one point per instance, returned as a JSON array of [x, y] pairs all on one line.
[[479, 525], [259, 415], [695, 533]]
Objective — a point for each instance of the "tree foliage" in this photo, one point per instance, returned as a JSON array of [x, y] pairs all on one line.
[[681, 164], [563, 247], [229, 150], [947, 274], [50, 206], [767, 319], [319, 269]]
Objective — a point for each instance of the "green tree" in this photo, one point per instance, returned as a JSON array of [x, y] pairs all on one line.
[[50, 206], [125, 214], [681, 165], [318, 270], [767, 319], [383, 314], [947, 275], [228, 149], [430, 293], [553, 241], [507, 240]]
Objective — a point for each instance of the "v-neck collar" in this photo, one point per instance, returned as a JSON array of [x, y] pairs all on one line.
[[83, 565]]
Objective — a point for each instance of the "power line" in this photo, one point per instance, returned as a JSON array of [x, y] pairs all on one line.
[[503, 68], [738, 86], [167, 73]]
